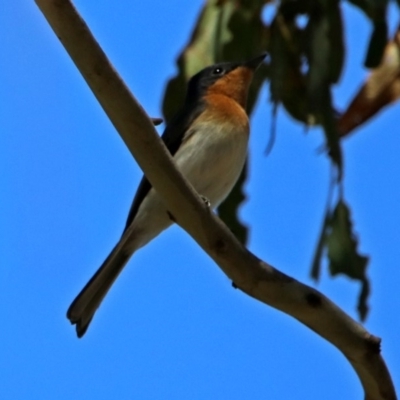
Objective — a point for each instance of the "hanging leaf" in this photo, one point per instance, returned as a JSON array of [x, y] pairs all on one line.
[[321, 244], [287, 82], [325, 54], [336, 42], [377, 44], [329, 124], [228, 210], [324, 47], [305, 62], [319, 251], [343, 254]]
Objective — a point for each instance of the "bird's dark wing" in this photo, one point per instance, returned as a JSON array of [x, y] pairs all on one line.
[[175, 132]]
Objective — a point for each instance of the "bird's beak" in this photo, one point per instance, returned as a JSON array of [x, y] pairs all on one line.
[[254, 63]]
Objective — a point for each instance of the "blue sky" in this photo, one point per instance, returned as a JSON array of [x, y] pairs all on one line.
[[172, 327]]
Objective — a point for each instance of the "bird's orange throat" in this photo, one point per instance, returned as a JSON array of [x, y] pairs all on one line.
[[234, 85]]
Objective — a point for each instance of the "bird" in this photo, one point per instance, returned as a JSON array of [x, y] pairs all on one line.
[[208, 139]]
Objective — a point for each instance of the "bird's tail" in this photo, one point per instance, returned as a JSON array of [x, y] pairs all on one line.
[[82, 309]]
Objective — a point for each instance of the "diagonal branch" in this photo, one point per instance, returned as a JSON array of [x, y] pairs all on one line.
[[252, 275]]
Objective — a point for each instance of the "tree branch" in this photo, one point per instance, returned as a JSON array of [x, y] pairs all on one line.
[[252, 275]]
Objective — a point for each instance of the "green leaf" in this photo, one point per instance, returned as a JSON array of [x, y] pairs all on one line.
[[316, 264], [336, 42], [287, 83], [377, 44], [228, 210], [321, 244], [342, 245], [343, 254], [324, 40], [329, 125], [325, 54]]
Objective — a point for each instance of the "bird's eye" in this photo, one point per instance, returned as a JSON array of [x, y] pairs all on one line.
[[218, 71]]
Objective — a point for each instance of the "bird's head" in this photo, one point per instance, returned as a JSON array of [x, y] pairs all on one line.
[[231, 79]]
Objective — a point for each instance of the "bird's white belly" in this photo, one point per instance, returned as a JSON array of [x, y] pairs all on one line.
[[212, 161]]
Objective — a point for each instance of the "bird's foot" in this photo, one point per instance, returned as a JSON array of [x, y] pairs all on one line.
[[206, 201]]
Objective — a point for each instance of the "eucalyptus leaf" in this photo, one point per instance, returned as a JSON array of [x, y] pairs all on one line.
[[377, 44], [343, 255], [228, 210], [287, 82], [319, 251]]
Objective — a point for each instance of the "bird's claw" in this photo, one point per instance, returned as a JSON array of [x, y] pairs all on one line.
[[206, 201]]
